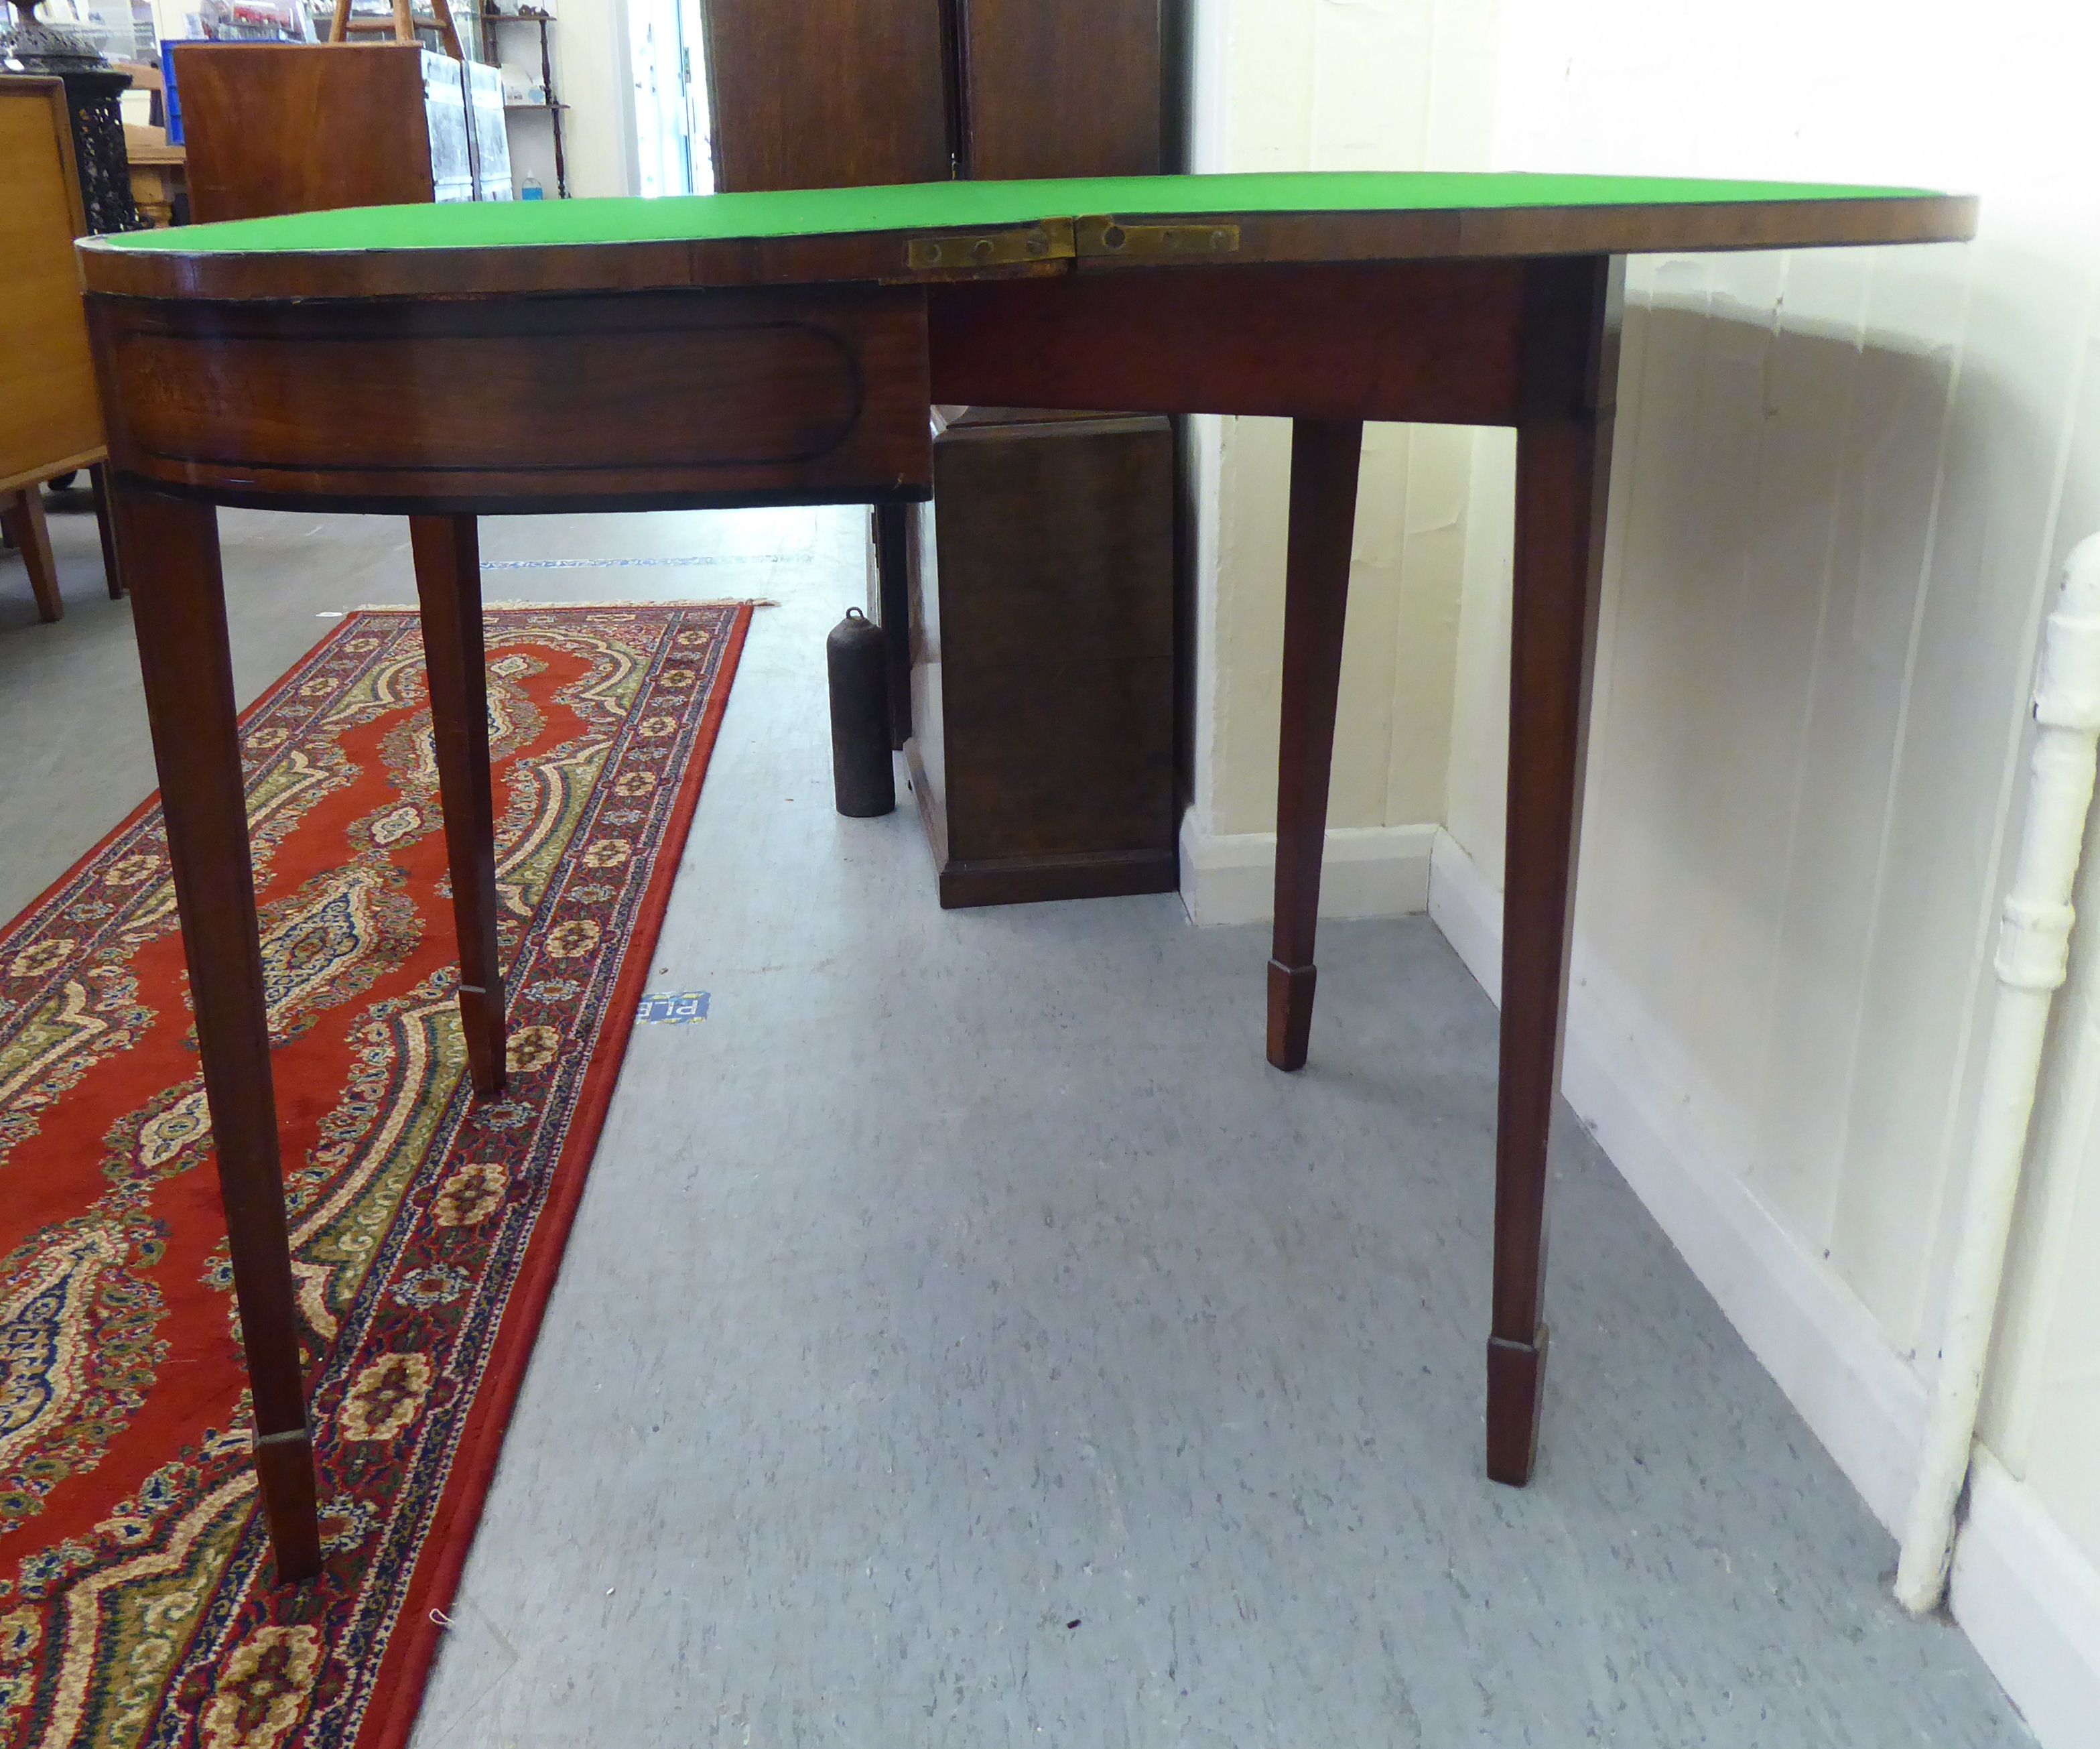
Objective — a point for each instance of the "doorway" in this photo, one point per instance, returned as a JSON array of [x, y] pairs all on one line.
[[672, 153]]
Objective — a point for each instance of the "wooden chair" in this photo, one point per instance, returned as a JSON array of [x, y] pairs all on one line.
[[50, 422]]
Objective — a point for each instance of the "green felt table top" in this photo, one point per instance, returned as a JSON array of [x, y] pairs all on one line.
[[951, 206]]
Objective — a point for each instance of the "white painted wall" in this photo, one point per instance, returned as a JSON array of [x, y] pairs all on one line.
[[594, 75], [1315, 85], [1844, 483]]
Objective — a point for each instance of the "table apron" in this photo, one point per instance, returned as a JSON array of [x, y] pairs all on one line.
[[1434, 341], [790, 395], [630, 400]]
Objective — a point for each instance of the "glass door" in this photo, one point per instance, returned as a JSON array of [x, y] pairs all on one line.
[[672, 154]]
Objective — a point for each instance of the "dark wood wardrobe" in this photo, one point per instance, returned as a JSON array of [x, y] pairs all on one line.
[[1037, 615], [825, 94]]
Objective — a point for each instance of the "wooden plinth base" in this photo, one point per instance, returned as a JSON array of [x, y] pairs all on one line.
[[1516, 1380], [284, 1477], [1290, 1014]]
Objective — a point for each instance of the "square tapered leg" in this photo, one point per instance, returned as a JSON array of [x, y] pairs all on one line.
[[1570, 363], [448, 583], [178, 606], [1324, 454]]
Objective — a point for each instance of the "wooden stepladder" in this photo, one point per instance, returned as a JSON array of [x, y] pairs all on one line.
[[403, 24]]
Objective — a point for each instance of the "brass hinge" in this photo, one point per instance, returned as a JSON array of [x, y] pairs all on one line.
[[1050, 241], [1105, 236]]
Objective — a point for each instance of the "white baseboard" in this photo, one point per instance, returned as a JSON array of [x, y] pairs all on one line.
[[1365, 872], [2028, 1600]]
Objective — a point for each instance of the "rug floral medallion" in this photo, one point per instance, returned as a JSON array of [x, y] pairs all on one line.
[[137, 1601]]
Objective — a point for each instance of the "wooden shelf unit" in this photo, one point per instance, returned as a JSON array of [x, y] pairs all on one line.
[[553, 107]]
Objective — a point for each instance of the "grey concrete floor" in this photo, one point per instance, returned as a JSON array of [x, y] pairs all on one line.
[[968, 1340]]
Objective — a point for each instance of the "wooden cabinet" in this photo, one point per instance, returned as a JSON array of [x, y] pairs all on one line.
[[294, 127], [1042, 639], [1060, 88], [827, 94], [833, 94]]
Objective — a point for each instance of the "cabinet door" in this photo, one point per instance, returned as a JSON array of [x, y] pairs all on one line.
[[824, 94], [487, 131], [1061, 88], [452, 144]]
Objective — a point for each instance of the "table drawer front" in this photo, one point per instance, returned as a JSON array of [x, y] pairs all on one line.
[[483, 402], [698, 397]]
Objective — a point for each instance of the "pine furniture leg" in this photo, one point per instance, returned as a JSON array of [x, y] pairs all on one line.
[[448, 553], [179, 608], [23, 511], [1570, 365], [1324, 458], [105, 526]]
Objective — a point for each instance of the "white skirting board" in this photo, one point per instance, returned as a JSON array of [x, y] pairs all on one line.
[[1365, 872], [2029, 1601]]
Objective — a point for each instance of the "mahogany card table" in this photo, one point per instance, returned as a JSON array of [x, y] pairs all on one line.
[[445, 363]]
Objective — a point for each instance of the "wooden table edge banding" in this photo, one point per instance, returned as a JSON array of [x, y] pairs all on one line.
[[885, 256]]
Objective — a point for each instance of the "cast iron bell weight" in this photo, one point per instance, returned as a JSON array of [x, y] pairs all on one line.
[[863, 782]]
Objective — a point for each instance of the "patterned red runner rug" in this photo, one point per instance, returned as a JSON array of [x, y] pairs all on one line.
[[136, 1600]]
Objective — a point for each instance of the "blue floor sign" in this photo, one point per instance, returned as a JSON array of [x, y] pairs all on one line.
[[688, 1005]]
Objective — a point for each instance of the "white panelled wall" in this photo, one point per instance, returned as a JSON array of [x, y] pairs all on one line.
[[1844, 483], [1383, 85]]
